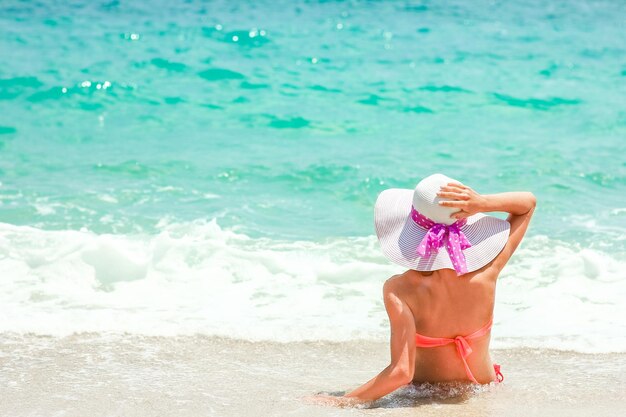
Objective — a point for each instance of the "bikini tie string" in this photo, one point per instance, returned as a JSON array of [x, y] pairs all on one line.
[[439, 234], [499, 375], [462, 346]]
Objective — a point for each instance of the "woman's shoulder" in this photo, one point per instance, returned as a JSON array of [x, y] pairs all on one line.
[[392, 282], [406, 282]]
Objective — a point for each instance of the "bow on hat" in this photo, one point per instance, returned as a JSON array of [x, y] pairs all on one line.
[[439, 234]]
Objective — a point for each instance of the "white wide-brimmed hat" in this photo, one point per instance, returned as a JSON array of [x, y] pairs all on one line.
[[415, 231]]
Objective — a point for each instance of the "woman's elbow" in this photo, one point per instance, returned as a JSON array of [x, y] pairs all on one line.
[[402, 374], [531, 201]]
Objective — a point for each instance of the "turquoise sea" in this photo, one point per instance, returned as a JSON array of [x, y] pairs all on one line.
[[205, 167]]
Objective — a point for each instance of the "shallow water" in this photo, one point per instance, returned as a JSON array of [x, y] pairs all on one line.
[[89, 374], [117, 115]]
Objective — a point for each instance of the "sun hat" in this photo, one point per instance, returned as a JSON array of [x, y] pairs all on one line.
[[415, 231]]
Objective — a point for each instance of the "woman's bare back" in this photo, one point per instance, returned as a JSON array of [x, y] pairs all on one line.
[[445, 305]]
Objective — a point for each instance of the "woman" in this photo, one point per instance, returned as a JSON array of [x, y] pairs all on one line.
[[440, 310]]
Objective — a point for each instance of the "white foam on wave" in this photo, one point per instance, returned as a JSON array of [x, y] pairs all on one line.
[[198, 278], [190, 278], [562, 296]]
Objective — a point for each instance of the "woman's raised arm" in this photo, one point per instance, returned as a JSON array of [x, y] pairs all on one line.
[[519, 204]]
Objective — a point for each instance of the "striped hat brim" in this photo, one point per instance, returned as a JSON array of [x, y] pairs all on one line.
[[399, 235]]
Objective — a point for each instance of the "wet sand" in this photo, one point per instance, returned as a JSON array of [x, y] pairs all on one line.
[[112, 375]]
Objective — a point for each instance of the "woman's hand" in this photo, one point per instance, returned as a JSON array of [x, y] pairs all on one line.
[[468, 201]]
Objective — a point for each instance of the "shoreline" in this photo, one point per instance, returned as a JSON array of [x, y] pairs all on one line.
[[131, 375]]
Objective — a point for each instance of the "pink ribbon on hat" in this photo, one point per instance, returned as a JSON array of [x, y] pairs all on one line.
[[438, 234]]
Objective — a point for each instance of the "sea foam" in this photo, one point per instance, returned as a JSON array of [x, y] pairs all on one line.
[[198, 278]]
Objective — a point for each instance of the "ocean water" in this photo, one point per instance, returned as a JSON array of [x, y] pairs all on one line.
[[211, 167]]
